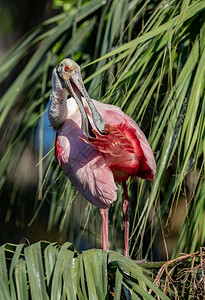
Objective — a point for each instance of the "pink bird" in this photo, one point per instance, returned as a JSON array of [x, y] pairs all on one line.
[[96, 144]]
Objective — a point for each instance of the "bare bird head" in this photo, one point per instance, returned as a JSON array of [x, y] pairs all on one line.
[[67, 69]]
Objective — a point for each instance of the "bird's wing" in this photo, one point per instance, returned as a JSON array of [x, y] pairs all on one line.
[[114, 116], [85, 166]]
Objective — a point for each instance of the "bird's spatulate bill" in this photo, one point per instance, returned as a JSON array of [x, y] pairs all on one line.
[[97, 118], [70, 74], [85, 123]]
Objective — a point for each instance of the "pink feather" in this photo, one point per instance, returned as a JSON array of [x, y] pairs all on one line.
[[93, 165]]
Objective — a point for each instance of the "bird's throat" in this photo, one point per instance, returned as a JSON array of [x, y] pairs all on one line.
[[58, 110]]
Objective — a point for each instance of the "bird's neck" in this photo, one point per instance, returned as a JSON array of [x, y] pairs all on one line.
[[58, 110]]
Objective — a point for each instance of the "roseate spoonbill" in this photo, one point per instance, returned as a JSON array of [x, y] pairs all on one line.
[[96, 144]]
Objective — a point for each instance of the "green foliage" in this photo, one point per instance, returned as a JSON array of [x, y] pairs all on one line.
[[150, 61], [47, 271]]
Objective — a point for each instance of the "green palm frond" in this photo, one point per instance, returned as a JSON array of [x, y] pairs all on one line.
[[47, 271]]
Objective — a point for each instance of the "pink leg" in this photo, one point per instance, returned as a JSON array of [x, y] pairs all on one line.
[[126, 211], [105, 242]]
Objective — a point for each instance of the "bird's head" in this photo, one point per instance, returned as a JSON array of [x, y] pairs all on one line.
[[69, 74], [67, 69]]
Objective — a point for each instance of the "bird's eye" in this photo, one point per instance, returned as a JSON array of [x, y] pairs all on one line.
[[67, 68]]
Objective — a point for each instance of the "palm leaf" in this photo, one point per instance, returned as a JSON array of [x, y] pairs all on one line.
[[47, 271]]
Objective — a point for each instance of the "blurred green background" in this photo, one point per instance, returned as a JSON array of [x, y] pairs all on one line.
[[147, 57]]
